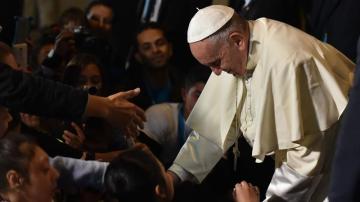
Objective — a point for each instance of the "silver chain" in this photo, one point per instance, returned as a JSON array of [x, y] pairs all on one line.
[[236, 151]]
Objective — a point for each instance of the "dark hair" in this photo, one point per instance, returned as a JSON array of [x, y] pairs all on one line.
[[150, 25], [72, 14], [16, 151], [96, 3], [133, 176], [196, 73]]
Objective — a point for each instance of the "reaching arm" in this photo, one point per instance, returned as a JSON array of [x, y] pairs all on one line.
[[38, 96]]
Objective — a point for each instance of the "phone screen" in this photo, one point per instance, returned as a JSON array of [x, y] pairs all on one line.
[[20, 47]]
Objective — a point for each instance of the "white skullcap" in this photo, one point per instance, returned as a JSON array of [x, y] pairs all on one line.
[[207, 21]]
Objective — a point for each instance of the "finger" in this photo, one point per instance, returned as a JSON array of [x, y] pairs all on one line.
[[132, 130], [66, 139], [244, 184], [69, 134], [65, 34], [138, 121], [140, 113], [125, 95], [78, 130], [140, 146], [238, 186], [234, 193]]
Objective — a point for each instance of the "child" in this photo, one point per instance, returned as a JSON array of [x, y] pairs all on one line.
[[136, 176]]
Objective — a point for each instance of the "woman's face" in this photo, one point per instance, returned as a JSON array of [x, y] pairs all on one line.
[[90, 76], [42, 179]]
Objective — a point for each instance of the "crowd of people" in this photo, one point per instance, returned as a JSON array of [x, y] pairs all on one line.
[[258, 111]]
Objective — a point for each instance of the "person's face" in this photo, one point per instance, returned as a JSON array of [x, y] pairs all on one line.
[[229, 55], [5, 119], [100, 18], [90, 76], [153, 48], [191, 96], [42, 182], [43, 52]]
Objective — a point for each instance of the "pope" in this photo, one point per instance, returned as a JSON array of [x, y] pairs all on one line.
[[280, 88]]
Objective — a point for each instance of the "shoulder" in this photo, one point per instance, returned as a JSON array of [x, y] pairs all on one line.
[[164, 108]]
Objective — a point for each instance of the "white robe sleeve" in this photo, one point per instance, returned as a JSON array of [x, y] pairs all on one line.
[[212, 121], [289, 185], [304, 170], [198, 156]]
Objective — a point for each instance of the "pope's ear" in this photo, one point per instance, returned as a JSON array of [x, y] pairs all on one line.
[[238, 39]]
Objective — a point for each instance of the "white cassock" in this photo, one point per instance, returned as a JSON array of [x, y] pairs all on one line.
[[289, 105]]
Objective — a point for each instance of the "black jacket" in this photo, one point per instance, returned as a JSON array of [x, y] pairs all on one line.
[[35, 95], [345, 184]]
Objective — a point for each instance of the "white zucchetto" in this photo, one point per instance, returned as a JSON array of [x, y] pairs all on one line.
[[207, 21]]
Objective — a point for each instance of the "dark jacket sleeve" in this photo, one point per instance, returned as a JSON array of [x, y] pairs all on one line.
[[35, 95], [345, 178]]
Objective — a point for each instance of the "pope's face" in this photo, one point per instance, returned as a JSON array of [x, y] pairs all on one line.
[[227, 55]]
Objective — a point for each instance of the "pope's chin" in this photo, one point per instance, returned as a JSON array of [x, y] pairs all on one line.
[[236, 74], [240, 74]]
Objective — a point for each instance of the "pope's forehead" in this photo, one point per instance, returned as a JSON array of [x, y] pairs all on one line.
[[205, 51]]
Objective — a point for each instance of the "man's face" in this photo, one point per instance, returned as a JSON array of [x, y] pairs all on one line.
[[153, 48], [190, 97], [5, 119], [228, 55], [100, 18], [42, 178]]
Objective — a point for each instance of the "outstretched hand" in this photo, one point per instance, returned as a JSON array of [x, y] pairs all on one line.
[[75, 140], [118, 111], [126, 114]]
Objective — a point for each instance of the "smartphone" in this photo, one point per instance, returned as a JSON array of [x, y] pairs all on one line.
[[20, 47], [22, 29]]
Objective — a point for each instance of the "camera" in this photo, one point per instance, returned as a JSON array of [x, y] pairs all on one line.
[[92, 90], [86, 41]]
